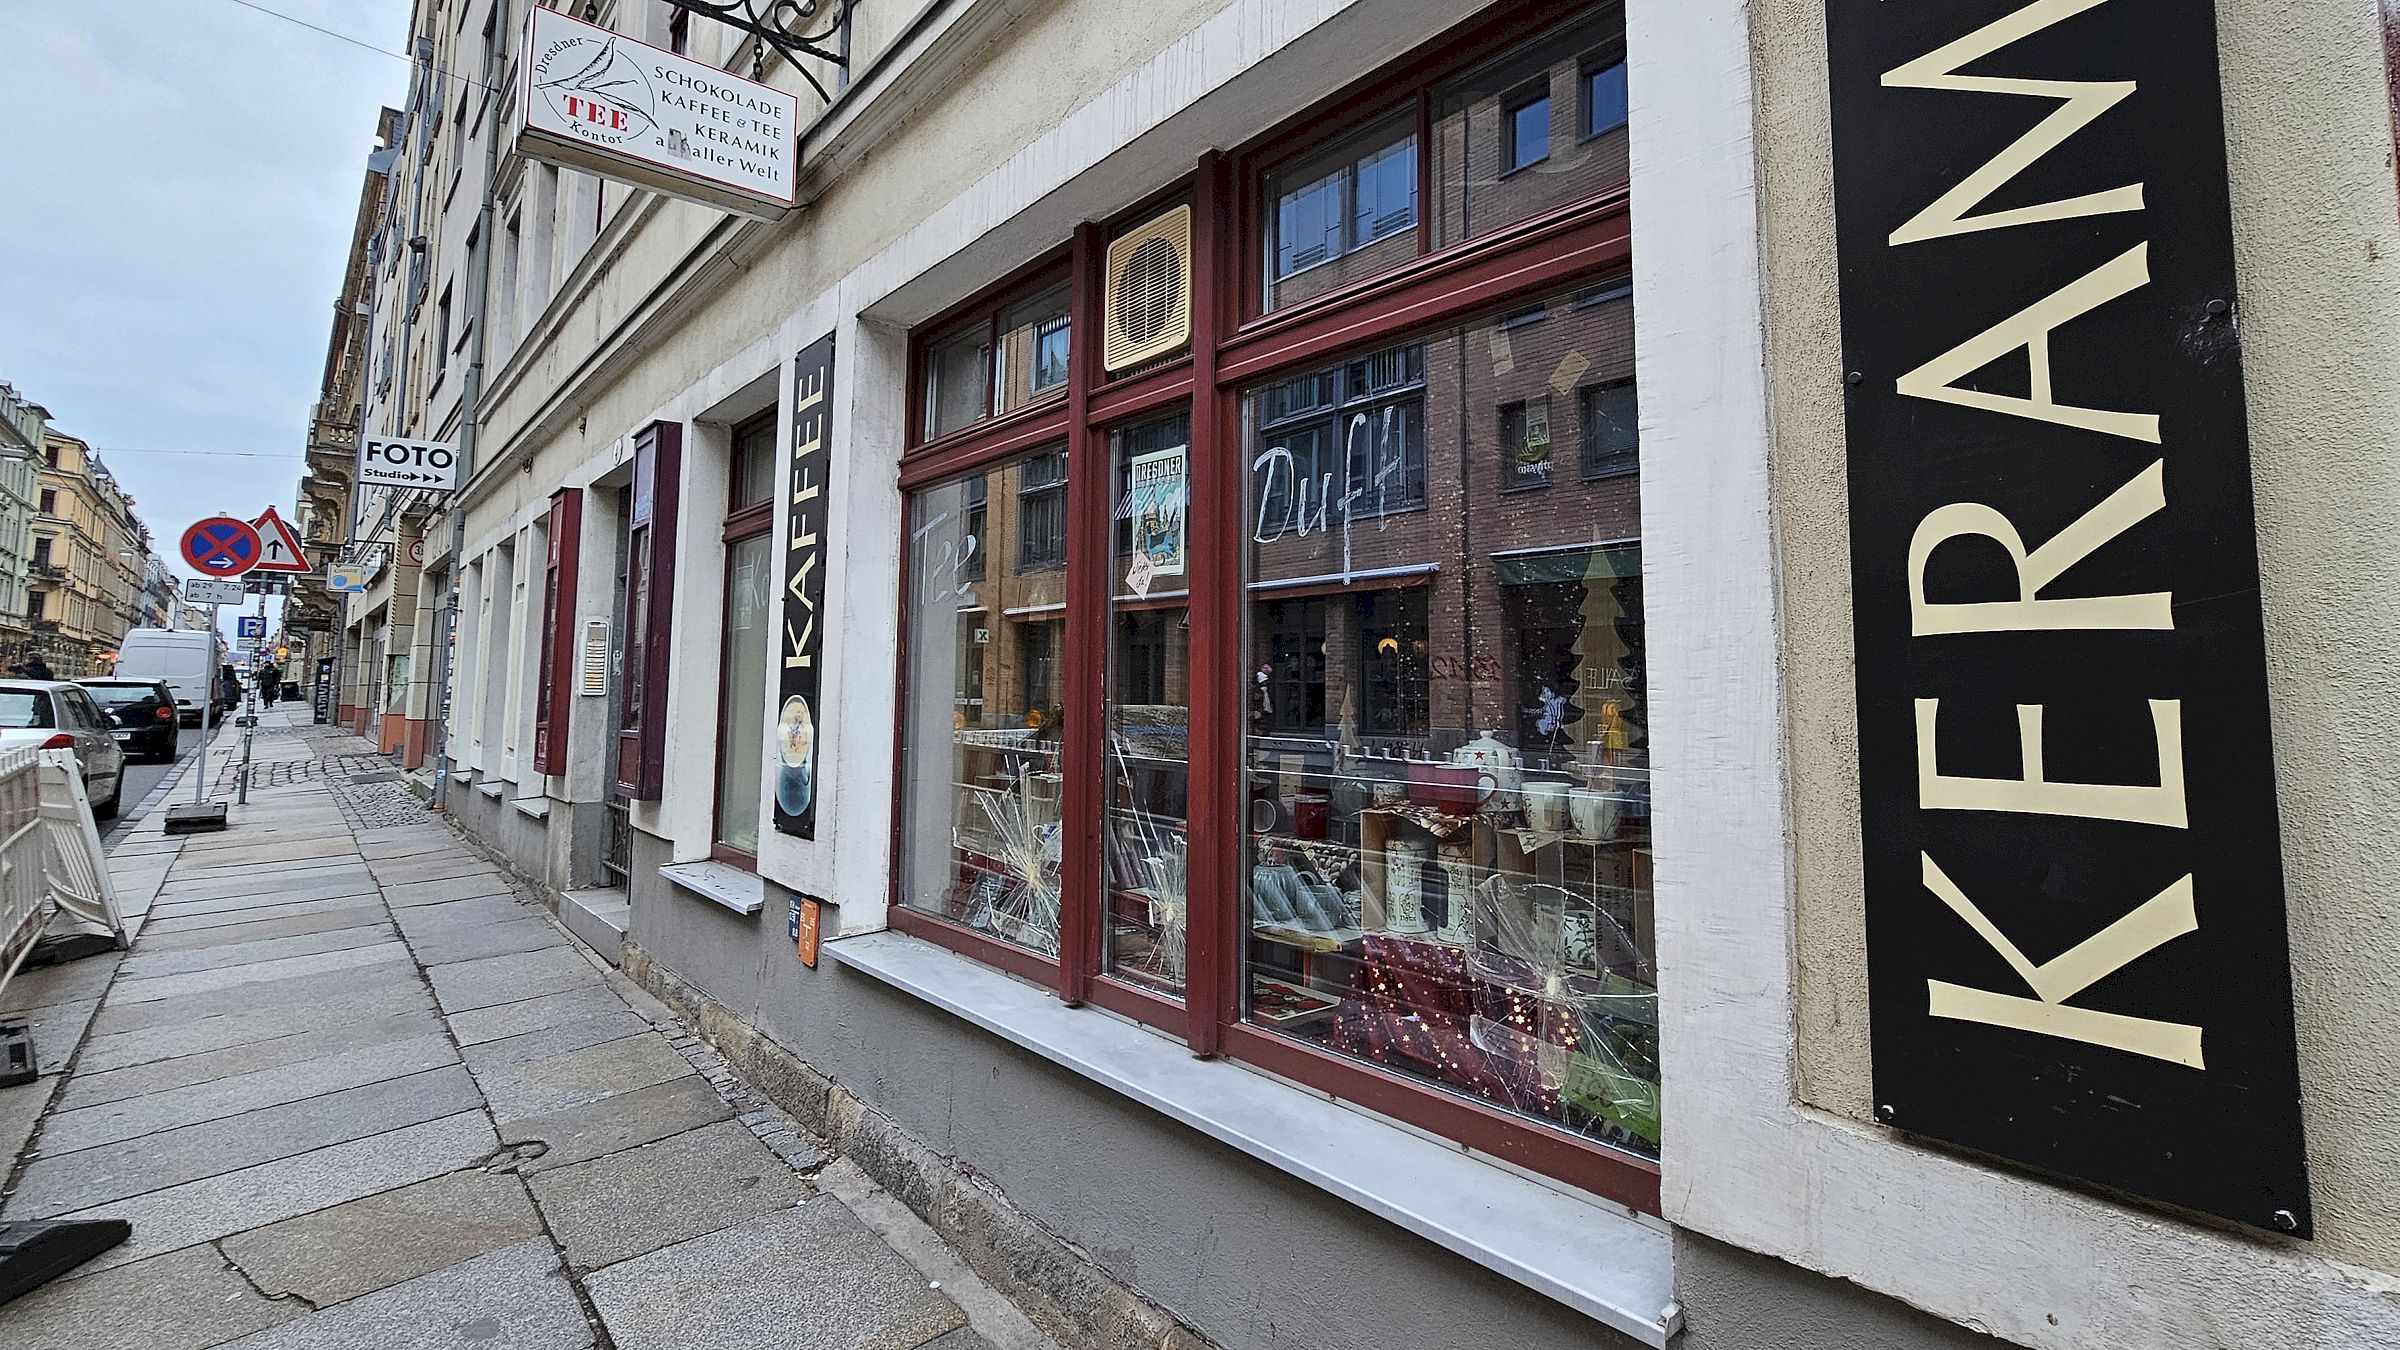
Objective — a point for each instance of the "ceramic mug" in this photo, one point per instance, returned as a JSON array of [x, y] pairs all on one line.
[[1595, 813], [1546, 804]]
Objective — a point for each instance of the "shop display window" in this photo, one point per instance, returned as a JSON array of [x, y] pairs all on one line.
[[1447, 761], [1312, 729], [981, 717], [749, 587], [1144, 849]]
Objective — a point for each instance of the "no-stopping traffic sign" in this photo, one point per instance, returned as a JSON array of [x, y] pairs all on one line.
[[221, 546], [391, 462]]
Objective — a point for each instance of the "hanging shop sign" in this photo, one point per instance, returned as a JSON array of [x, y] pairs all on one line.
[[391, 461], [2074, 890], [794, 752], [600, 102]]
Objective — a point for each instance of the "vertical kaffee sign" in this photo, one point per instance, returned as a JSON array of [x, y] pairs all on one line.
[[802, 644], [2074, 890]]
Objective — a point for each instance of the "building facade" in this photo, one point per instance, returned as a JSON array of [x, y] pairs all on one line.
[[24, 429], [1229, 656], [85, 560], [317, 627]]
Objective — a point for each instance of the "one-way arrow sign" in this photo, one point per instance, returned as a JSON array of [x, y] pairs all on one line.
[[387, 461], [279, 547]]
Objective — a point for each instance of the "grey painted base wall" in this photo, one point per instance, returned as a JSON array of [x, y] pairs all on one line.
[[1029, 1167], [1739, 1300]]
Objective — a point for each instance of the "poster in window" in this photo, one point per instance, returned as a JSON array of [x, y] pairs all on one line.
[[801, 646], [1156, 488]]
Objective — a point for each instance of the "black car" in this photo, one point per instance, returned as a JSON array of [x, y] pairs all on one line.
[[140, 712]]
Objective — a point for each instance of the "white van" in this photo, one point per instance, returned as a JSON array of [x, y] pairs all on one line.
[[187, 659]]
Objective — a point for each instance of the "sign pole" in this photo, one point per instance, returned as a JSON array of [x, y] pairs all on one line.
[[208, 706]]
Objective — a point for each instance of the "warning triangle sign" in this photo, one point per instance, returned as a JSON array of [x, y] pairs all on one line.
[[279, 547]]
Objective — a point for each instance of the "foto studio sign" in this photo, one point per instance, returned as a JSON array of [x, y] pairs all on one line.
[[600, 102], [390, 461]]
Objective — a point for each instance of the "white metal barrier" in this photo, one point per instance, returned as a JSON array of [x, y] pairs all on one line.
[[74, 867], [23, 844], [53, 874]]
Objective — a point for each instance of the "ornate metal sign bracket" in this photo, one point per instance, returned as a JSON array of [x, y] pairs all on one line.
[[771, 22]]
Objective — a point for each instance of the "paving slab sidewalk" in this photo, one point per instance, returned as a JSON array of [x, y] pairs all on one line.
[[353, 1090]]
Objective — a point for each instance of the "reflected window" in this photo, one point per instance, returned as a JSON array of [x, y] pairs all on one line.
[[1612, 440], [1525, 131], [1495, 122], [1042, 513], [1352, 204], [1605, 105]]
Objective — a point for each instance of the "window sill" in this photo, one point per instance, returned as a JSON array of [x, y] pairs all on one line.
[[492, 788], [718, 883], [537, 808], [1595, 1259]]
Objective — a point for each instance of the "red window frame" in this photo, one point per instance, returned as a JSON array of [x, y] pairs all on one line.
[[743, 520], [1236, 343], [641, 732], [554, 702]]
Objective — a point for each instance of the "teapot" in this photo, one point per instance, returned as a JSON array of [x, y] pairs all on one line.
[[1497, 765]]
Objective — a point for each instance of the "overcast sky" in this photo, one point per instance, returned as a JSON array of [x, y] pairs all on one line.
[[178, 180]]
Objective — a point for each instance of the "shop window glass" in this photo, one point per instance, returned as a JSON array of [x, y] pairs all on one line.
[[752, 476], [957, 376], [980, 779], [1149, 707], [1447, 744], [1002, 358], [1494, 159], [1342, 213], [741, 735]]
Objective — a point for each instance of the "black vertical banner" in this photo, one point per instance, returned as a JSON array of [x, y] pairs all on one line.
[[2074, 886], [800, 650]]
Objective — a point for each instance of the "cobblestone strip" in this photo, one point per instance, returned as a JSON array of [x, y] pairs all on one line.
[[779, 1132]]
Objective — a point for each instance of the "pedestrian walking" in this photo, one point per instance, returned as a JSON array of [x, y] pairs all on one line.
[[270, 683]]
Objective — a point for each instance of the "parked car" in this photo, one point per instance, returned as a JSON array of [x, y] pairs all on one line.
[[141, 712], [187, 660], [60, 715]]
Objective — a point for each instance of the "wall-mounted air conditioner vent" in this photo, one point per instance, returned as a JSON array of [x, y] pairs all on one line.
[[1148, 309], [591, 665]]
